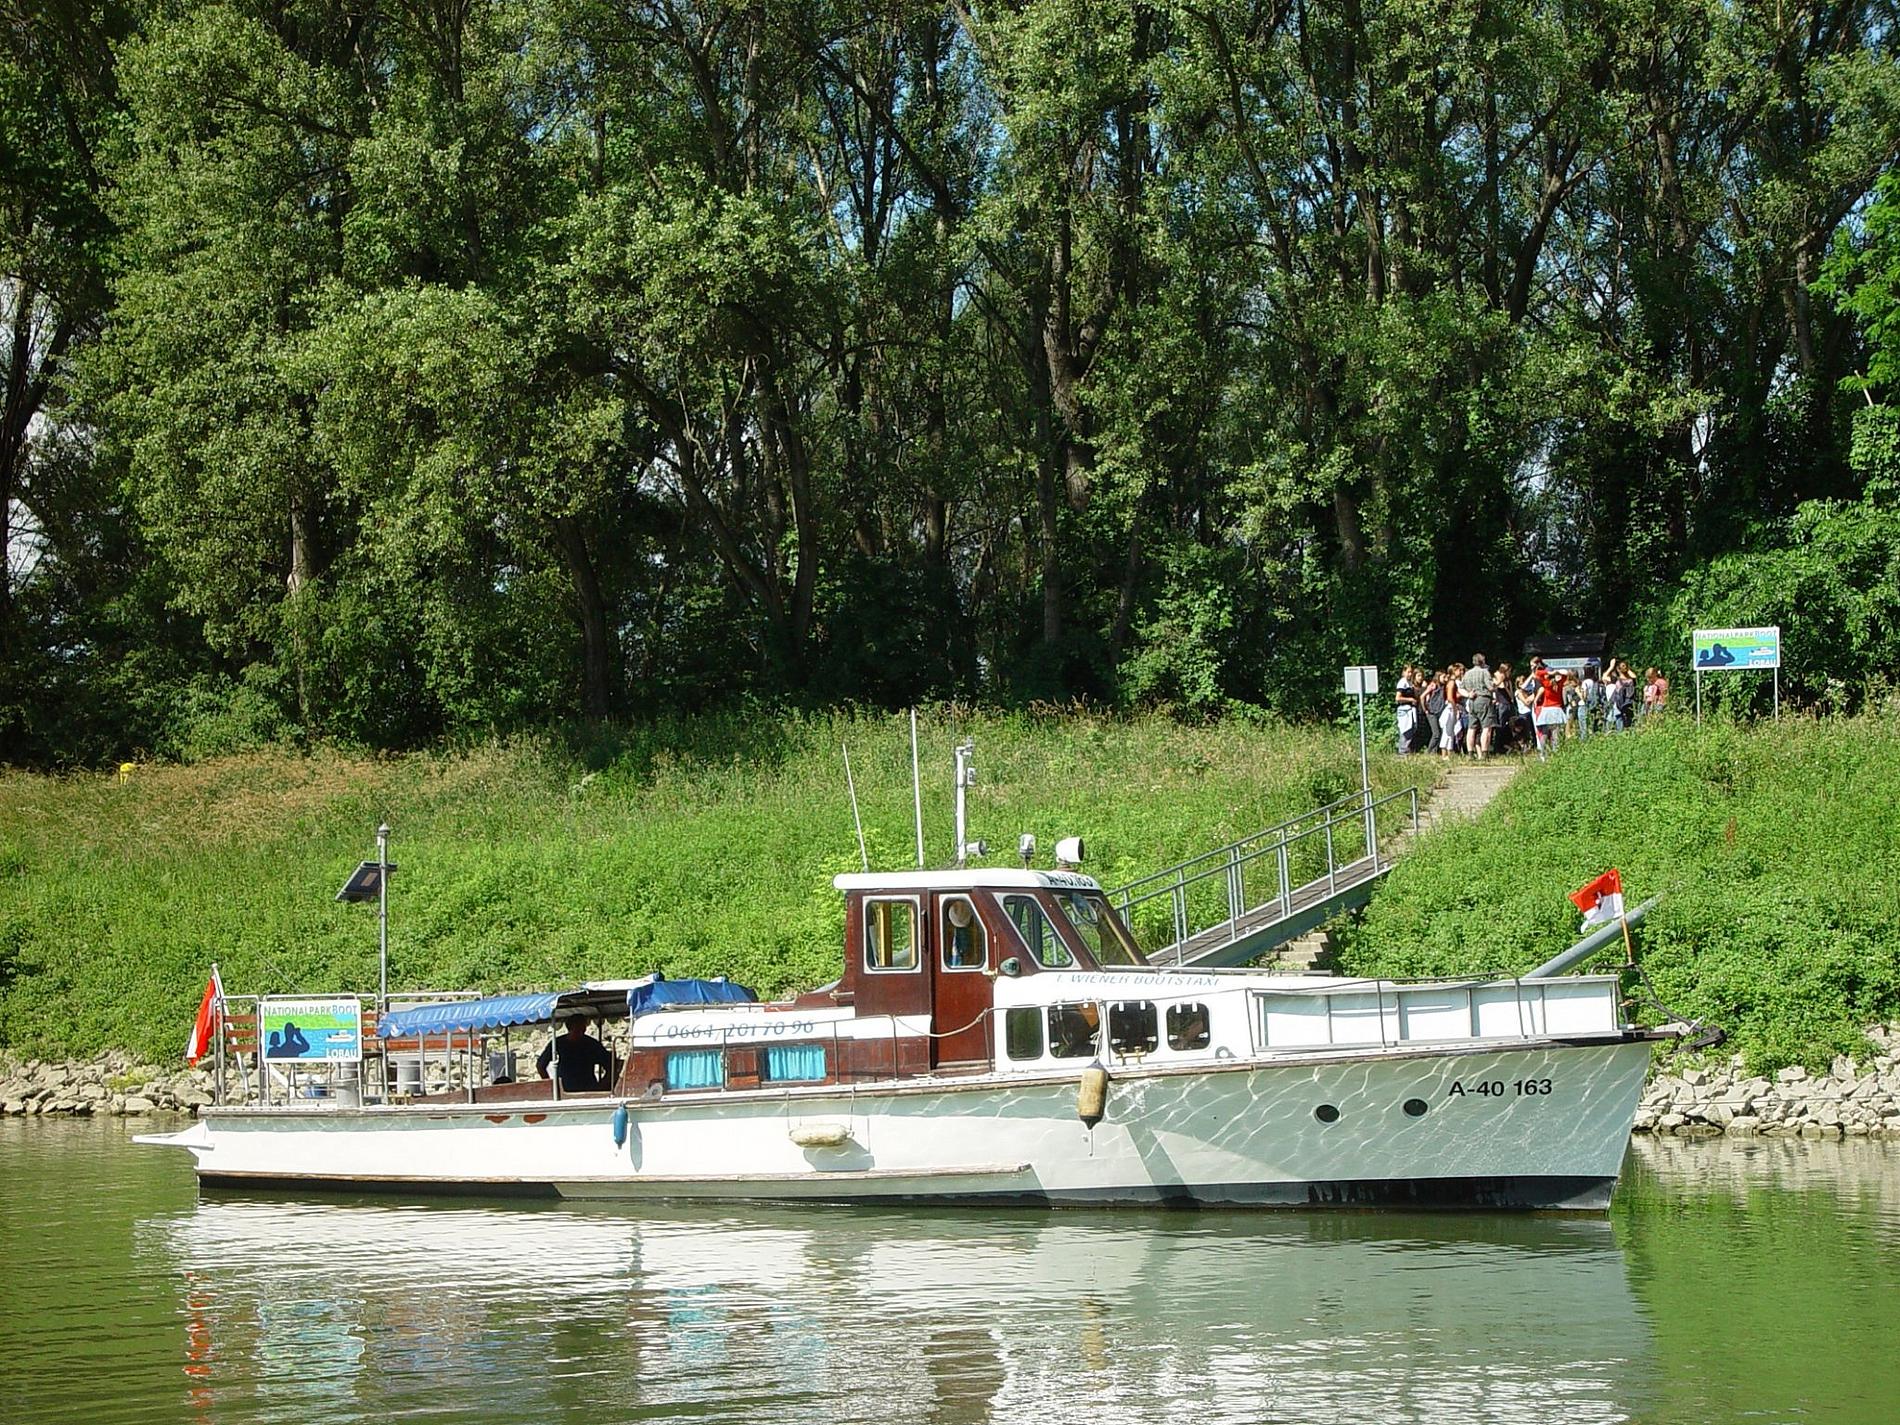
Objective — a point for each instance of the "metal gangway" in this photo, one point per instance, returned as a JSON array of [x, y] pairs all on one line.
[[1231, 905]]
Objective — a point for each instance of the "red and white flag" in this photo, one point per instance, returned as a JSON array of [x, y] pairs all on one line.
[[1602, 900], [210, 1015]]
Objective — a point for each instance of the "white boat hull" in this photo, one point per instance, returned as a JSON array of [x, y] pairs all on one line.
[[1537, 1124]]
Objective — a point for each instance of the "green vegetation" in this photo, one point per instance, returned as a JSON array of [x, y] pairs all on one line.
[[1775, 847], [375, 372], [696, 847]]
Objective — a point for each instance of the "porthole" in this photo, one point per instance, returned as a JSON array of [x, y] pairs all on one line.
[[1415, 1107], [1326, 1113]]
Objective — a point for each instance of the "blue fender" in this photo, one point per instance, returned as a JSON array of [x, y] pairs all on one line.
[[620, 1126]]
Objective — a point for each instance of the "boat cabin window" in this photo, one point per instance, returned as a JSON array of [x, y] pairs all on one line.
[[1099, 928], [965, 947], [696, 1069], [794, 1063], [1187, 1026], [1072, 1030], [1022, 1032], [890, 935], [1038, 932], [1133, 1027]]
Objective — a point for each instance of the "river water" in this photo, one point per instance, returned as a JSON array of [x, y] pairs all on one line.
[[1733, 1282]]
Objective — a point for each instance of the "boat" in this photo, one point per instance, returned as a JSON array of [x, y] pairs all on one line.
[[995, 1035]]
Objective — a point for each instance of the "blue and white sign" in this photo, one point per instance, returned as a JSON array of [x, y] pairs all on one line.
[[310, 1030], [1719, 650]]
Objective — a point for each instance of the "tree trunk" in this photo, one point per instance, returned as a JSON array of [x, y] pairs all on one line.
[[303, 533], [591, 609], [1048, 498]]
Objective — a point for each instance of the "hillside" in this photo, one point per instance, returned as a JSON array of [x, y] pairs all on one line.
[[696, 847], [1777, 849]]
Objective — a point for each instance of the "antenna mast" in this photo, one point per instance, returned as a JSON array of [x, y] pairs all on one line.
[[856, 820], [966, 774], [916, 789]]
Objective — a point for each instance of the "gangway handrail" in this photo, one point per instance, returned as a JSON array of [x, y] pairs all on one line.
[[1356, 800], [1230, 862]]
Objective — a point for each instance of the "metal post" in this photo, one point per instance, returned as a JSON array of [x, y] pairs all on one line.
[[1365, 774], [1698, 697], [219, 1093], [1777, 692], [1332, 873], [382, 903], [963, 753]]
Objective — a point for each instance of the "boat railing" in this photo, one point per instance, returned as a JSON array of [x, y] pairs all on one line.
[[324, 1082], [1368, 1014], [1336, 843]]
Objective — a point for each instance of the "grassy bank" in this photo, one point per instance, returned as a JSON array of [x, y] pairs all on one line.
[[1777, 849], [699, 847]]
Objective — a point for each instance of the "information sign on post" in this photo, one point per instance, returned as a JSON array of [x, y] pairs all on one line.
[[1735, 650], [1362, 680]]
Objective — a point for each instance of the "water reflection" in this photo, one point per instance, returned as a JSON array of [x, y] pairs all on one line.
[[1767, 1268], [1733, 1282], [348, 1311]]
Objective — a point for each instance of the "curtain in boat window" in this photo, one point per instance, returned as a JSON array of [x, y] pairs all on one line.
[[696, 1069], [795, 1062]]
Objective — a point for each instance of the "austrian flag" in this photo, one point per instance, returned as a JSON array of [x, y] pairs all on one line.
[[1602, 900], [210, 1013]]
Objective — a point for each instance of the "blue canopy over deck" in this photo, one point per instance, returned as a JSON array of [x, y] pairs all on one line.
[[662, 993], [466, 1015]]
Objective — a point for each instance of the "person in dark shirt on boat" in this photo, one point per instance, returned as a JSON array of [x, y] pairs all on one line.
[[584, 1060]]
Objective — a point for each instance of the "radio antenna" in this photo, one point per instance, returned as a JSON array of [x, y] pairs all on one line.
[[916, 789], [856, 820]]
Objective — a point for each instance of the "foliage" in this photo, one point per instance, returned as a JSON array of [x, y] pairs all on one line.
[[695, 846], [1829, 576], [1771, 845], [458, 372]]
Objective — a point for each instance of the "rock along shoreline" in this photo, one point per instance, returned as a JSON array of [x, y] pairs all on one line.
[[113, 1084], [1849, 1101]]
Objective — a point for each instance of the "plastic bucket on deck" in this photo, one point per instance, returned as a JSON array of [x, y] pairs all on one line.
[[409, 1075]]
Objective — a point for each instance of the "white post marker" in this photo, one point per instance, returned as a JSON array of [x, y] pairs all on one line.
[[1362, 679]]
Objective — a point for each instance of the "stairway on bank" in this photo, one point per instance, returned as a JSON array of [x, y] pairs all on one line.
[[1464, 788]]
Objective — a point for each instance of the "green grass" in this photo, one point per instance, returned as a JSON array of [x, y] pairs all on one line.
[[701, 846], [1777, 849]]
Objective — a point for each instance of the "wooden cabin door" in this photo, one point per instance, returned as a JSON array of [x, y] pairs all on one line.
[[961, 988]]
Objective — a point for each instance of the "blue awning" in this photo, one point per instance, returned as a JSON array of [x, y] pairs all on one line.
[[469, 1014], [662, 992]]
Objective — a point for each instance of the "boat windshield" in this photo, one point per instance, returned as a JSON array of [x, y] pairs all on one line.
[[1026, 913], [1099, 928]]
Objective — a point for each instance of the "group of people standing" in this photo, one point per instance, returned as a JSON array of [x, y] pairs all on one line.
[[1476, 709]]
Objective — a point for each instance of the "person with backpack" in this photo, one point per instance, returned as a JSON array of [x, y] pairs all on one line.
[[1434, 705], [1406, 698], [1617, 696], [1589, 698], [1481, 708]]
